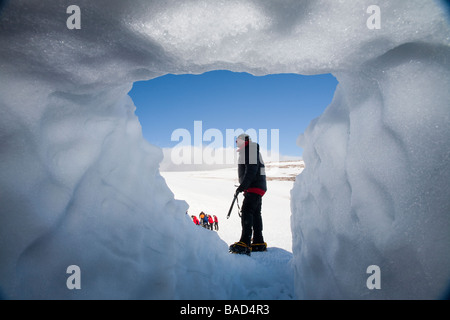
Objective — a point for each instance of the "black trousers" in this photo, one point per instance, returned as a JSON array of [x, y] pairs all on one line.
[[251, 219]]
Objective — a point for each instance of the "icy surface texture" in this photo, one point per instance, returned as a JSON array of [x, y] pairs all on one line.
[[79, 185], [375, 188]]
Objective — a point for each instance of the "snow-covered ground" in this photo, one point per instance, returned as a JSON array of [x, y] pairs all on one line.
[[211, 191]]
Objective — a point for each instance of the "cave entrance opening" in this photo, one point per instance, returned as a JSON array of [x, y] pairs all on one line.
[[195, 120]]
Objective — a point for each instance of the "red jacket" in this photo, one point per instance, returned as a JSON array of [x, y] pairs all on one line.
[[196, 220], [210, 219]]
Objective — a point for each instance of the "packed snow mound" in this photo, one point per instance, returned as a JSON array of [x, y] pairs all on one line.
[[80, 186]]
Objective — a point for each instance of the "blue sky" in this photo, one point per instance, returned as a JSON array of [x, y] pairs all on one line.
[[228, 100]]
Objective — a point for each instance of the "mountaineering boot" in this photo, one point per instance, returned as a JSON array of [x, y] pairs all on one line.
[[256, 247], [240, 248]]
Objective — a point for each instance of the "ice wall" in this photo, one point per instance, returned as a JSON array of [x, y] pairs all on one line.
[[375, 190], [79, 185]]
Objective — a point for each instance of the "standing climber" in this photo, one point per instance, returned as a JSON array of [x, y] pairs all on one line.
[[252, 179], [205, 221], [211, 222], [216, 223], [201, 218]]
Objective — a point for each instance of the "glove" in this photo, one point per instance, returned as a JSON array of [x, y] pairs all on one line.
[[239, 190]]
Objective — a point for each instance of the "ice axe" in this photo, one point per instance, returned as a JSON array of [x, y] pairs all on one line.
[[235, 198]]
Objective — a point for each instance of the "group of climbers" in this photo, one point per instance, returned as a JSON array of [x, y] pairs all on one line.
[[206, 221]]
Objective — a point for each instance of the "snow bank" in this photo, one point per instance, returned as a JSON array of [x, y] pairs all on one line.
[[375, 187], [80, 186]]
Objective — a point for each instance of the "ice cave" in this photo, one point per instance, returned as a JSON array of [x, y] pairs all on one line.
[[80, 186]]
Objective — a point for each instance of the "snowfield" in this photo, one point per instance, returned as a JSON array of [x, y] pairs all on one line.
[[79, 185]]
